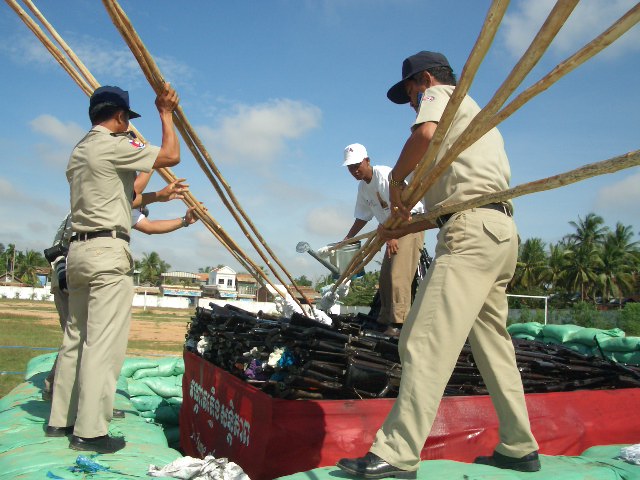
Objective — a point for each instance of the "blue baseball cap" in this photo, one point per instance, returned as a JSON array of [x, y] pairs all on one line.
[[108, 95], [419, 62]]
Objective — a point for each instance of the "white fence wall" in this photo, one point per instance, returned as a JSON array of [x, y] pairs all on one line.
[[155, 301], [26, 293]]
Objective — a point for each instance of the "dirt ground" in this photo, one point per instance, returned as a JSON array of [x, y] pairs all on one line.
[[144, 330]]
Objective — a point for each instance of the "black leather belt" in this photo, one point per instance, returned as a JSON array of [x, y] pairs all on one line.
[[102, 233], [500, 207]]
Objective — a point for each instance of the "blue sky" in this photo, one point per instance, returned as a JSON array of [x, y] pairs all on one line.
[[277, 89]]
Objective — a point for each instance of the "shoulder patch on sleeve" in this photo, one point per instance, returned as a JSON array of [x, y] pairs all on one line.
[[135, 143]]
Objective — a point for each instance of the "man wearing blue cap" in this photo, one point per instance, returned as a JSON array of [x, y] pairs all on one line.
[[101, 174], [463, 294]]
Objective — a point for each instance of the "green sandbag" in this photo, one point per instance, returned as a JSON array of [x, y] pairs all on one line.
[[532, 329], [165, 367], [166, 415], [587, 336], [620, 344], [161, 386], [39, 364], [138, 388], [131, 365], [580, 348], [630, 358], [145, 403], [560, 333], [524, 336]]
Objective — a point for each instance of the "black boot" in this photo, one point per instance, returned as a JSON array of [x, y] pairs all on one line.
[[372, 466]]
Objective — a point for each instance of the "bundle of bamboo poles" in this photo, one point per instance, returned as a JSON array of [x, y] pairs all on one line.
[[427, 172], [87, 82]]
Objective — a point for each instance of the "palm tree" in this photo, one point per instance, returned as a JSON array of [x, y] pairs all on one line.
[[556, 266], [27, 266], [531, 266], [151, 268], [590, 231], [620, 260], [581, 272]]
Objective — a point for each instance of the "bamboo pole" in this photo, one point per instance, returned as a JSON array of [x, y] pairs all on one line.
[[475, 130], [156, 80], [88, 84]]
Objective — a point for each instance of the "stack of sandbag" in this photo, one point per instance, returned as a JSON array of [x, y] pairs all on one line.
[[155, 391], [25, 451], [609, 344]]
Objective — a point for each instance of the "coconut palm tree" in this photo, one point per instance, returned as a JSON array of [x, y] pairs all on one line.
[[590, 231], [620, 260], [27, 265], [582, 267], [151, 268], [532, 265], [556, 266]]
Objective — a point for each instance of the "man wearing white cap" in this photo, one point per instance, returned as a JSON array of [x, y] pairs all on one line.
[[402, 255]]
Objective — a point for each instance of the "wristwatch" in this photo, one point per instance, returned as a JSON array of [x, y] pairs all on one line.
[[184, 221], [395, 183]]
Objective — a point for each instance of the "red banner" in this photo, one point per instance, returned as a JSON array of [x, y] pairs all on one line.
[[223, 416]]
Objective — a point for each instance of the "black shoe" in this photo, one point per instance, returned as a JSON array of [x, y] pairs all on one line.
[[58, 431], [103, 444], [372, 466], [118, 413], [528, 463]]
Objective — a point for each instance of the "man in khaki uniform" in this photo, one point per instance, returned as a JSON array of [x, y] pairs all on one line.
[[101, 174], [402, 255], [463, 295]]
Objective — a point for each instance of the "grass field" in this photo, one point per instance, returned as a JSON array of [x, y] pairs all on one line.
[[34, 324]]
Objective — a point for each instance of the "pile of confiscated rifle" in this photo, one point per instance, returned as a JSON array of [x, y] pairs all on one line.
[[300, 358]]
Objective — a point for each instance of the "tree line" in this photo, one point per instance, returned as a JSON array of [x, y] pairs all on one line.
[[592, 263]]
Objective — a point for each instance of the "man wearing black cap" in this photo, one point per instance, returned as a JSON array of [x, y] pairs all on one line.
[[463, 294], [101, 174]]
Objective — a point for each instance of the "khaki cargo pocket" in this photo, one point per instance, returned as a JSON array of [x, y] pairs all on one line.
[[498, 231]]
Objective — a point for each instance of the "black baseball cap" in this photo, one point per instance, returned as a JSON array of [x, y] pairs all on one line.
[[419, 62], [108, 95]]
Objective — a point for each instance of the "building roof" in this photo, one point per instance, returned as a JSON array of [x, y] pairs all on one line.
[[180, 275], [224, 269], [246, 278]]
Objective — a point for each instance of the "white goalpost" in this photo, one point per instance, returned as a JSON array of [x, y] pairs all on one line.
[[546, 302]]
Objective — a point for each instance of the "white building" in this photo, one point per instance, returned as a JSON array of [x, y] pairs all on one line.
[[222, 283]]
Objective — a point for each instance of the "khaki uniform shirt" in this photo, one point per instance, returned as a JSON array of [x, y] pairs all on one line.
[[482, 168], [101, 172]]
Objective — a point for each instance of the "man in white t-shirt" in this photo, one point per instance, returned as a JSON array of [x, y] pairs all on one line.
[[402, 255]]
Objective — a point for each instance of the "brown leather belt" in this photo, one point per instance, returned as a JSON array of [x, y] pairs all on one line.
[[101, 233], [500, 207]]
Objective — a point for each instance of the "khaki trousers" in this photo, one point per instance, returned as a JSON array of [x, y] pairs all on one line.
[[463, 295], [396, 277], [61, 299], [95, 338]]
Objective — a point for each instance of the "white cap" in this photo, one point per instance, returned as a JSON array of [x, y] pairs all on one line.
[[354, 153]]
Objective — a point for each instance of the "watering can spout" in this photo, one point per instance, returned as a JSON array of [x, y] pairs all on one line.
[[303, 247]]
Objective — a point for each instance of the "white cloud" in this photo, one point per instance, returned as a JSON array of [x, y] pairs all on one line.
[[256, 134], [588, 20], [8, 192], [103, 59], [622, 197], [65, 134], [332, 221]]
